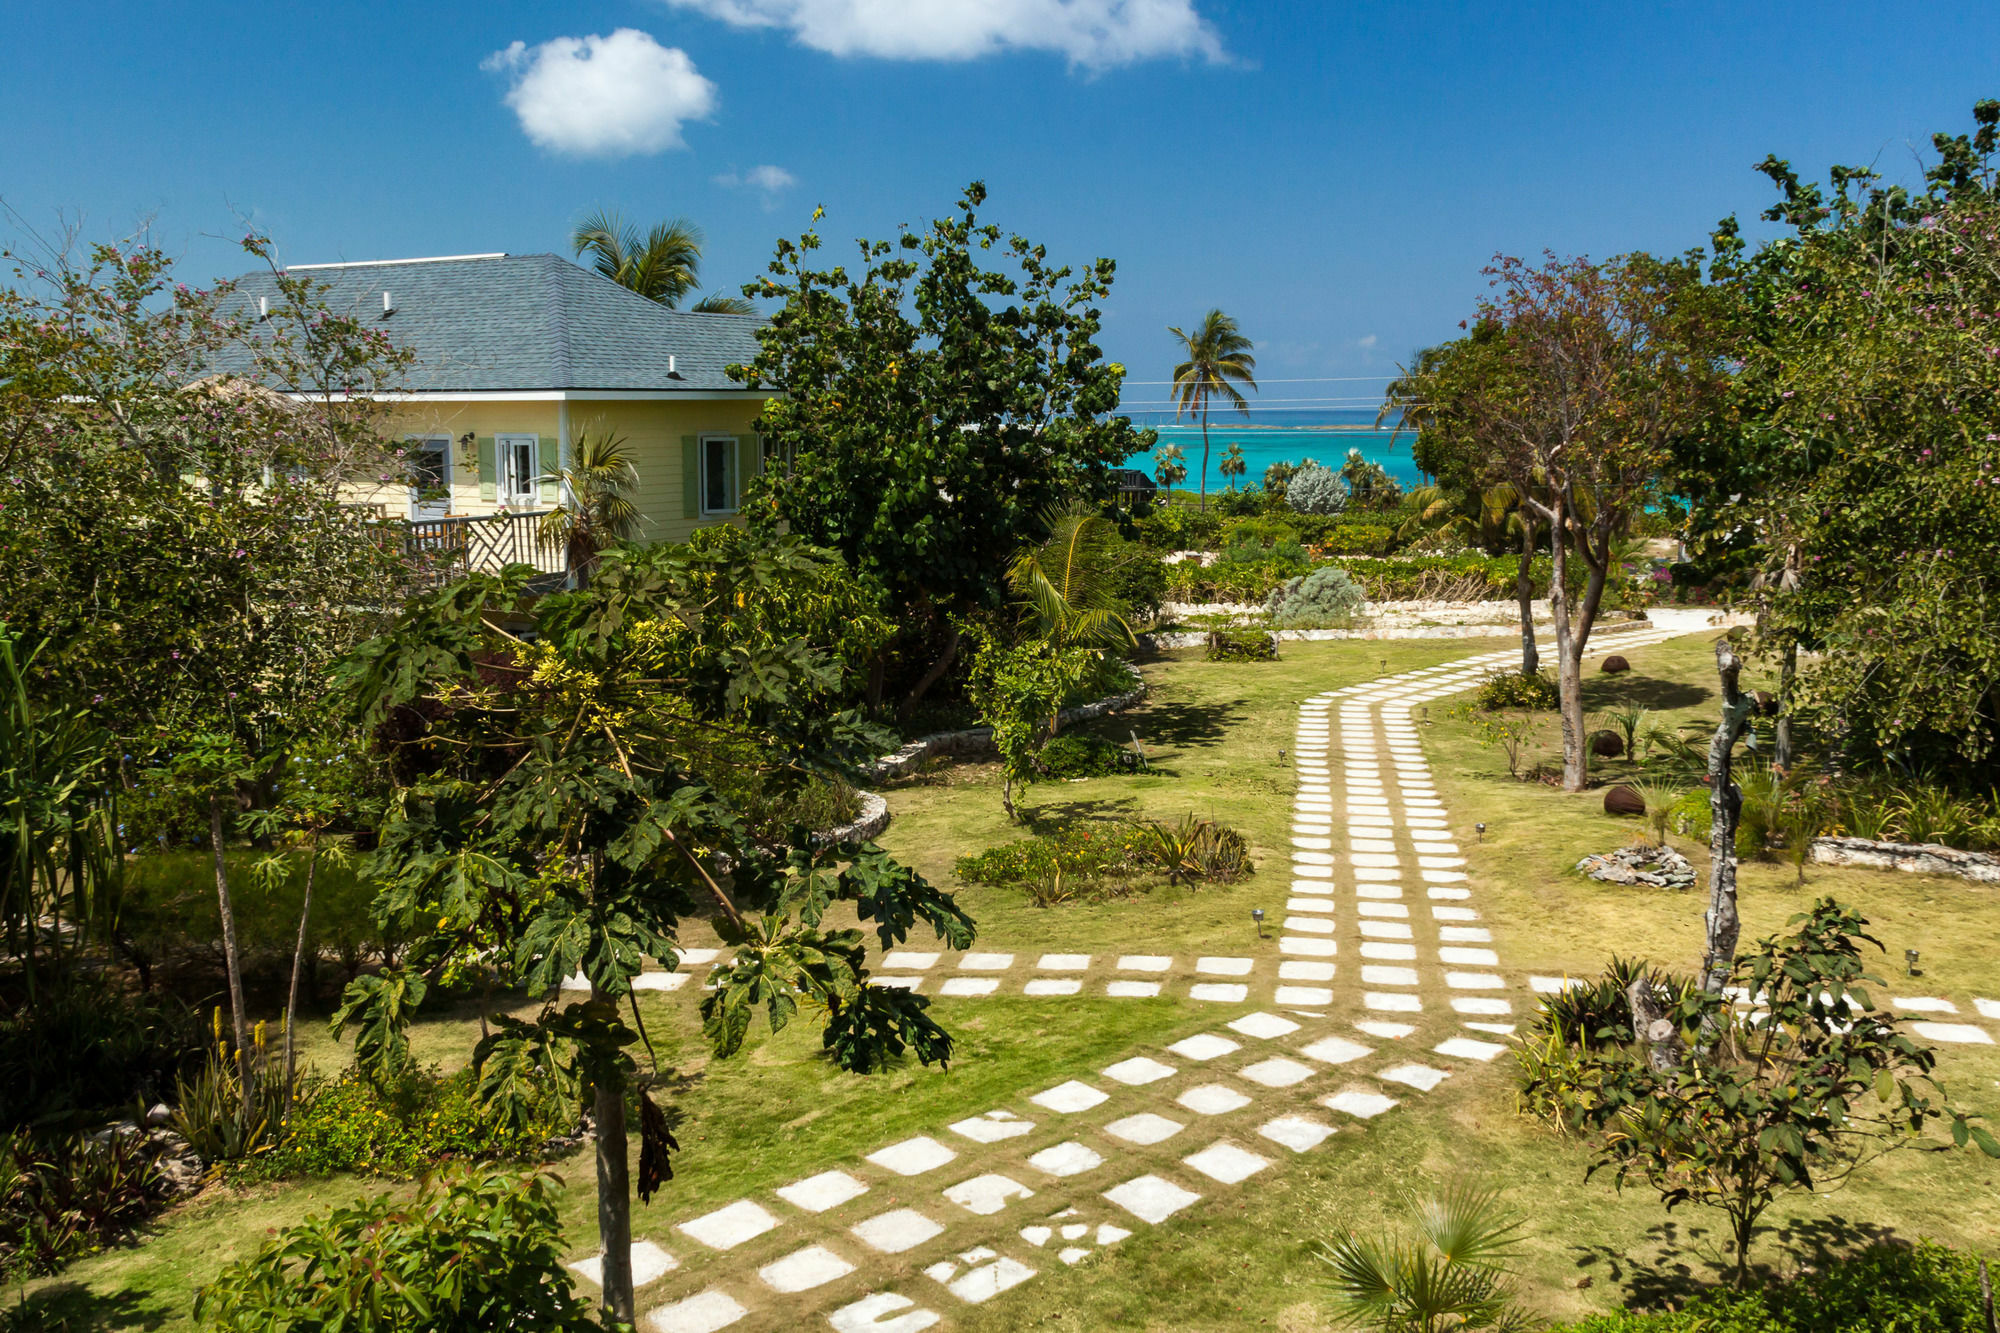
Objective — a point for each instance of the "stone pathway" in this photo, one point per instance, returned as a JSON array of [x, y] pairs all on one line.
[[895, 1242]]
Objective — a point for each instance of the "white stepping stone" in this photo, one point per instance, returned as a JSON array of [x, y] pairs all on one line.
[[802, 1270], [1313, 844], [988, 1194], [993, 1127], [1372, 859], [1305, 947], [1497, 1029], [1296, 1132], [699, 956], [1923, 1004], [990, 1275], [1309, 904], [1465, 1048], [1265, 1027], [1227, 1163], [912, 1157], [877, 1313], [1144, 962], [649, 1264], [1276, 1072], [1224, 967], [1371, 845], [892, 1233], [1313, 872], [1307, 996], [897, 983], [1305, 888], [1212, 1099], [909, 960], [1310, 925], [1065, 1159], [1469, 957], [1132, 990], [726, 1228], [1386, 1002], [1334, 1050], [1064, 962], [1479, 1004], [1298, 970], [1374, 909], [1204, 1046], [1553, 985], [1386, 930], [1376, 1028], [702, 1313], [1144, 1129], [1151, 1199], [1444, 876], [659, 981], [1990, 1008], [1039, 1236], [1312, 858], [1421, 1077], [1139, 1070], [828, 1189], [1360, 1105], [576, 981], [1441, 862], [1069, 1098], [969, 986], [1313, 805], [1473, 981], [1222, 992], [1953, 1032], [1366, 877], [986, 962], [1467, 934], [1053, 986], [1394, 952]]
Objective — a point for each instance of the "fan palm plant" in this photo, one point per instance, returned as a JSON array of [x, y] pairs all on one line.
[[597, 509], [1064, 583], [1168, 469], [1454, 1277], [663, 264], [1218, 359], [1232, 465]]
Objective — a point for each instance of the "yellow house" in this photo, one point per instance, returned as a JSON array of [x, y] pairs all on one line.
[[520, 356]]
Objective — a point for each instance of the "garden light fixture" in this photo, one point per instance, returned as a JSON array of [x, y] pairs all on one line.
[[1281, 757], [1257, 915], [1910, 957], [1482, 831]]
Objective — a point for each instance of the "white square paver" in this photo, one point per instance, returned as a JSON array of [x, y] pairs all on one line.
[[1465, 935], [1305, 947], [1447, 894], [828, 1189], [1480, 1004], [1389, 1002], [987, 1194], [1465, 1048], [1378, 975], [1303, 995], [1421, 1077], [969, 986], [989, 1280], [1139, 1070], [1143, 1129], [1204, 1046], [704, 1313], [1923, 1004], [1264, 1026], [1277, 1072], [1065, 1159], [1361, 1105], [1469, 957], [1053, 986], [1334, 1050], [1132, 990], [1497, 1029], [1390, 1031], [1990, 1008], [1952, 1032], [1364, 889], [726, 1228], [1454, 914], [1310, 925], [913, 1157], [986, 962], [1069, 1098], [892, 1233], [1296, 1132], [1309, 905], [1151, 1199], [1221, 992], [649, 1264], [1473, 981], [897, 983], [1553, 985], [1227, 1163], [1144, 962], [1386, 930], [1302, 970], [802, 1270], [1064, 962], [1389, 952], [993, 1127], [1213, 1099], [906, 959], [659, 981]]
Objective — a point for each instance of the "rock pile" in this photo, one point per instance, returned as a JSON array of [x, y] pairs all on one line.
[[1662, 867]]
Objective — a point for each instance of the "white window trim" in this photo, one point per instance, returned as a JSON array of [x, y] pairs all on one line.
[[444, 446], [504, 444], [735, 473]]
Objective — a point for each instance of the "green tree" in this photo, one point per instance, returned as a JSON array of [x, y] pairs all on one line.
[[1218, 359], [1169, 469], [1018, 689], [661, 264], [565, 799], [597, 509], [1066, 584], [1232, 465], [933, 409]]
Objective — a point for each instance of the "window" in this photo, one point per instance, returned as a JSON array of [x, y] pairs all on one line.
[[427, 464], [779, 458], [718, 474], [518, 469]]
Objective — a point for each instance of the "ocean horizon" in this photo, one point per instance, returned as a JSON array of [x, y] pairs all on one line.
[[1287, 437]]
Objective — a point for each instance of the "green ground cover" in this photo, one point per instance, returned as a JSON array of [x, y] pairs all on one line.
[[1244, 1257]]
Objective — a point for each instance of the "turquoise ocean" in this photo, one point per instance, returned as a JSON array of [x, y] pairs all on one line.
[[1290, 437]]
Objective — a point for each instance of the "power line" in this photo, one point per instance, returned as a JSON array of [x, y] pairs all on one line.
[[1308, 379]]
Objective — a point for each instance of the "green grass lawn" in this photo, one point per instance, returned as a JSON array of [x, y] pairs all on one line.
[[1243, 1259]]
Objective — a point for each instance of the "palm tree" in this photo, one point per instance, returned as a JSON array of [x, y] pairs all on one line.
[[1453, 1279], [1168, 469], [1217, 354], [597, 509], [1232, 465], [1065, 583], [663, 265]]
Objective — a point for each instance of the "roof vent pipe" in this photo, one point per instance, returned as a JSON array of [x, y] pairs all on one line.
[[263, 307], [388, 303], [671, 371]]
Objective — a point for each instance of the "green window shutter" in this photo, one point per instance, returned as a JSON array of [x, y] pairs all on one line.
[[690, 477], [489, 469], [750, 462], [548, 461]]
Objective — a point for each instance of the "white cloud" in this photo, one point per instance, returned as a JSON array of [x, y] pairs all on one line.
[[767, 180], [1366, 342], [1093, 33], [603, 96]]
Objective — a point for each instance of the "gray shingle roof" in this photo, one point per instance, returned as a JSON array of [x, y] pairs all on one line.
[[521, 322]]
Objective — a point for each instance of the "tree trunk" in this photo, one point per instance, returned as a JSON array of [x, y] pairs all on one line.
[[1524, 592], [231, 964], [1651, 1027], [1573, 625], [298, 968], [1725, 802], [1204, 458], [932, 675], [614, 1194], [1782, 754]]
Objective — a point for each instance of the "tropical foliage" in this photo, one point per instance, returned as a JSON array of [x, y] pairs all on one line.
[[662, 263], [1217, 359]]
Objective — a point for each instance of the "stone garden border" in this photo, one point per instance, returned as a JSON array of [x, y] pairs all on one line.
[[1916, 858]]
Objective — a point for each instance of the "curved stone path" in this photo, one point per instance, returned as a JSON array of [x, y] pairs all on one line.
[[967, 1213]]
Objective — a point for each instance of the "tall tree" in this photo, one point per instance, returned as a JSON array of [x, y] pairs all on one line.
[[661, 264], [1233, 464], [1218, 359]]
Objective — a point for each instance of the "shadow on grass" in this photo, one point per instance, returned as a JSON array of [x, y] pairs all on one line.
[[1181, 723], [1645, 691], [1688, 1262], [1050, 817], [70, 1307]]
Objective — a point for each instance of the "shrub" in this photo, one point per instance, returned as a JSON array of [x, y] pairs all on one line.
[[1314, 489], [1355, 539], [1327, 596], [1196, 850], [1139, 581], [1092, 855], [1075, 755], [1517, 689], [71, 1195], [84, 1050], [470, 1253], [1242, 646]]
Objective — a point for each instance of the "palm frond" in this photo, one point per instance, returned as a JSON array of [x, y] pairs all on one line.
[[1466, 1225], [723, 305]]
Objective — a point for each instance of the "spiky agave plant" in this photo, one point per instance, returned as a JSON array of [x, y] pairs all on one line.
[[1453, 1276]]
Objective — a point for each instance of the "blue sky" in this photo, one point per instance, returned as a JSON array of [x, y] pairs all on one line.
[[1335, 175]]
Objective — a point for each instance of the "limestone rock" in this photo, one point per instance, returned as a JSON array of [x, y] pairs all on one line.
[[1614, 664], [1920, 858], [1621, 799], [1661, 867]]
